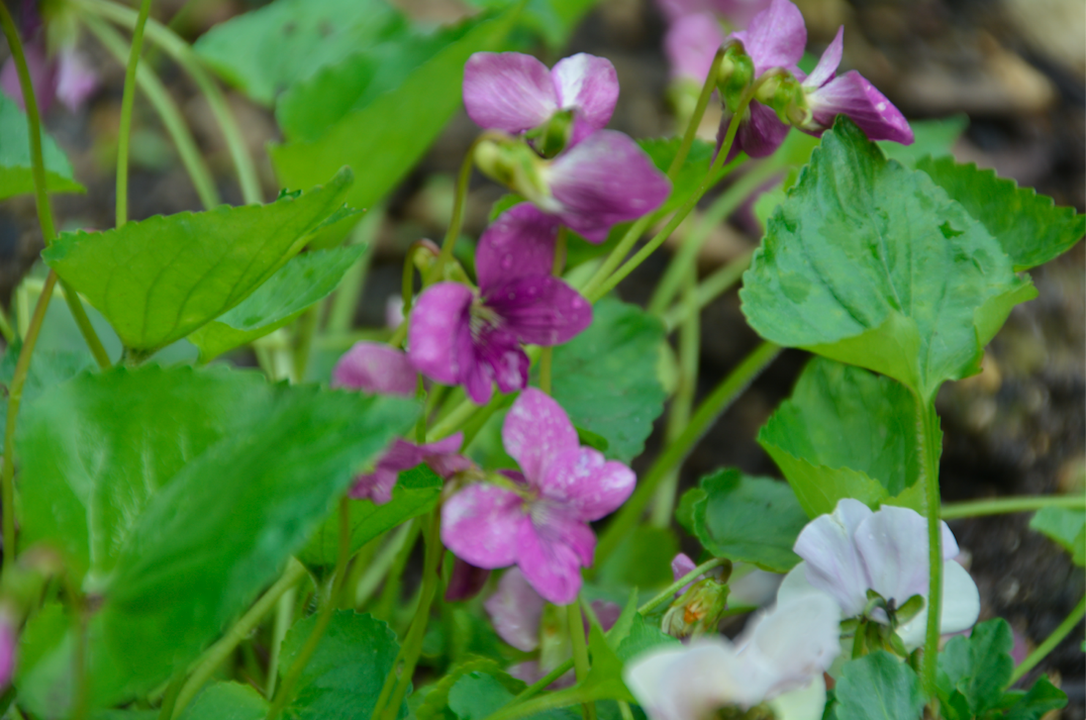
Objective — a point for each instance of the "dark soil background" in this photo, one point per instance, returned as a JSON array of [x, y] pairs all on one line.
[[1016, 67]]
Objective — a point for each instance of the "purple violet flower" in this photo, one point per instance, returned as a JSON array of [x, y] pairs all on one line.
[[691, 44], [539, 520], [376, 368], [514, 92], [459, 337], [8, 644]]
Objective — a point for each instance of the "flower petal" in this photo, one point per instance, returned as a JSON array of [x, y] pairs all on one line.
[[439, 338], [540, 309], [605, 180], [536, 430], [589, 85], [828, 63], [519, 243], [377, 485], [551, 566], [479, 522], [376, 368], [759, 135], [76, 81], [776, 37], [796, 641], [691, 44], [443, 456], [960, 608], [516, 609], [805, 703], [498, 356], [851, 94], [508, 91], [833, 563], [586, 483], [557, 524], [893, 546]]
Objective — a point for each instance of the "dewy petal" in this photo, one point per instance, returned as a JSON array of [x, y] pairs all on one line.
[[516, 609], [893, 546], [540, 309], [479, 523], [535, 431], [508, 91], [828, 63], [556, 524], [833, 563], [551, 566], [691, 44], [586, 483], [588, 85], [439, 337], [499, 357], [960, 607], [851, 94], [376, 368], [776, 37], [605, 180], [519, 243]]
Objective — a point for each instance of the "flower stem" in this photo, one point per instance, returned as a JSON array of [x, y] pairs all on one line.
[[575, 624], [706, 414], [214, 656], [709, 289], [930, 441], [5, 328], [547, 354], [699, 112], [456, 222], [127, 100], [1001, 506], [1051, 641]]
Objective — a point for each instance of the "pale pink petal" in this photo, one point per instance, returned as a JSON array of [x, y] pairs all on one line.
[[681, 566], [776, 37], [852, 95], [691, 44], [557, 524], [520, 242], [439, 337], [827, 64], [540, 309], [536, 430], [588, 85], [552, 567], [508, 91], [480, 523], [376, 368], [8, 644], [43, 76], [833, 563], [516, 610], [739, 13], [586, 483], [443, 456], [377, 485], [75, 79]]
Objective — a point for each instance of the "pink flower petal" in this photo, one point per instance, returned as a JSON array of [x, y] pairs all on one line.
[[828, 63], [376, 368], [43, 76], [508, 91], [851, 94], [540, 309], [498, 357], [586, 483], [551, 566], [519, 243], [776, 37], [480, 523], [589, 85], [557, 524], [691, 44], [536, 430], [75, 80], [516, 610], [8, 644], [439, 338], [758, 136]]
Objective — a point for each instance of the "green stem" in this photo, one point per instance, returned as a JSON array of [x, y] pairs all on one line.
[[706, 414], [214, 656], [452, 422], [537, 705], [168, 112], [79, 314], [699, 112], [290, 680], [390, 593], [1051, 641], [575, 625], [930, 440], [547, 355], [709, 289], [5, 328], [284, 617], [305, 328], [455, 223], [127, 101], [1001, 506]]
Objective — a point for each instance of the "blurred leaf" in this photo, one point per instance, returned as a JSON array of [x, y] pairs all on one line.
[[159, 279], [642, 638], [438, 697], [845, 432], [878, 686], [932, 138], [1064, 526], [1043, 697], [16, 173], [552, 20], [642, 559], [304, 280], [1029, 226], [604, 679], [265, 51], [869, 263], [745, 518], [974, 671], [227, 701], [49, 368]]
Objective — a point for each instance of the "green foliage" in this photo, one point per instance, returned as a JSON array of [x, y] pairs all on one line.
[[1031, 229], [871, 264], [1064, 526], [306, 279], [416, 493], [932, 138], [344, 676], [16, 173], [642, 638], [1041, 698], [478, 693], [386, 137], [878, 686], [974, 672], [605, 378], [750, 519], [642, 559], [552, 20], [227, 701], [160, 279], [195, 488], [265, 51], [49, 368], [604, 679], [845, 432]]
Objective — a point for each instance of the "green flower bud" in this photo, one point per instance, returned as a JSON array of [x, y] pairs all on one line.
[[551, 137], [735, 76], [698, 610]]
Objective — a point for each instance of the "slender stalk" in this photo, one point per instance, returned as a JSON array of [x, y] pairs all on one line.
[[537, 705], [127, 101], [304, 329], [79, 314], [167, 110], [706, 414], [547, 354], [575, 624], [214, 656], [5, 328], [390, 593], [452, 422], [930, 440], [699, 112], [455, 223], [183, 54], [284, 616], [1001, 506], [1051, 641], [625, 711], [709, 289]]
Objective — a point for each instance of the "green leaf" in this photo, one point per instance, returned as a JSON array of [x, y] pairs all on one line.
[[845, 432], [876, 687], [160, 279], [552, 20], [306, 279], [978, 668], [691, 174], [642, 638], [931, 137], [604, 679], [642, 559], [1029, 226], [266, 51], [344, 676], [416, 493], [227, 701], [751, 519], [605, 378], [40, 672], [227, 511], [1064, 526], [49, 368], [438, 696], [16, 173], [387, 137], [872, 264], [684, 512], [1041, 698]]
